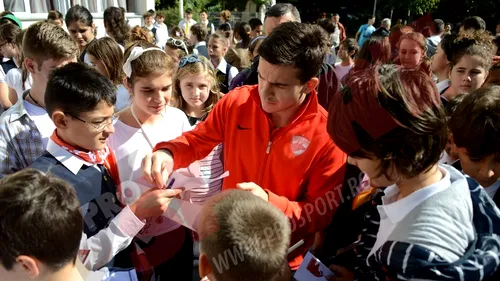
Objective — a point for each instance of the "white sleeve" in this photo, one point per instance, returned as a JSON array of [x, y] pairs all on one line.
[[213, 29], [111, 240], [10, 79], [180, 25], [2, 75], [232, 73]]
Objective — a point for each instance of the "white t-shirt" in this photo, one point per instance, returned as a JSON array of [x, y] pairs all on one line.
[[2, 75], [131, 146], [42, 121], [14, 80], [122, 98], [341, 71], [161, 35]]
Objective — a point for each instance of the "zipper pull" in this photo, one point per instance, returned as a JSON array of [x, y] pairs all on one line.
[[268, 147]]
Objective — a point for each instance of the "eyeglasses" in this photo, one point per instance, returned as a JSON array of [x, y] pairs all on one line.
[[178, 43], [99, 127]]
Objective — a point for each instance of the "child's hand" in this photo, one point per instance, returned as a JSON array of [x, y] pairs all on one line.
[[254, 188], [341, 274], [153, 202], [157, 167]]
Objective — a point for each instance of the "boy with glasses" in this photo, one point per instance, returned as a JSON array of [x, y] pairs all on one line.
[[80, 102]]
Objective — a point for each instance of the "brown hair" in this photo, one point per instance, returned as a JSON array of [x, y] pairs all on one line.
[[177, 30], [411, 132], [20, 59], [203, 66], [40, 218], [160, 15], [375, 51], [55, 15], [109, 52], [474, 123], [396, 32], [474, 43], [226, 15], [252, 229], [417, 37], [148, 14], [154, 61], [45, 40], [116, 26], [8, 33], [139, 33], [171, 43], [199, 31]]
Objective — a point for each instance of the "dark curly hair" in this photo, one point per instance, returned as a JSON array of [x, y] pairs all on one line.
[[116, 26], [473, 43]]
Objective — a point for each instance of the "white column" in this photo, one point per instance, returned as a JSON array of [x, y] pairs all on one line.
[[273, 2], [2, 7], [143, 6], [181, 8]]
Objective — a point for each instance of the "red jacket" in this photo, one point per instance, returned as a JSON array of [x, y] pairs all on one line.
[[298, 165], [342, 36]]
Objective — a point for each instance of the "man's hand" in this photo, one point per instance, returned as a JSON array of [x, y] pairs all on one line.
[[157, 167], [255, 189], [153, 203]]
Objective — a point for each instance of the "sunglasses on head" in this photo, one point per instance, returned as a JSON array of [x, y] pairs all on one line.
[[178, 44]]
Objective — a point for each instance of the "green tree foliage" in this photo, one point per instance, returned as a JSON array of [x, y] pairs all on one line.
[[416, 7]]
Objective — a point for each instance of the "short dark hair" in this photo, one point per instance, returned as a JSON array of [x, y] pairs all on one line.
[[335, 15], [301, 45], [254, 23], [79, 13], [40, 218], [189, 11], [235, 220], [437, 26], [474, 124], [281, 9], [160, 15], [76, 88], [224, 27], [408, 132], [447, 45], [475, 23], [199, 31], [148, 14], [55, 15], [351, 45], [204, 11], [327, 25], [8, 33]]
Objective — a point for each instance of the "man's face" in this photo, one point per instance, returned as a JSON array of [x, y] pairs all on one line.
[[371, 21], [279, 87], [270, 23], [498, 28], [335, 19], [160, 20], [188, 16]]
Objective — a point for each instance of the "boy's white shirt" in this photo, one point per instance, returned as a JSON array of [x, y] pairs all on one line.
[[161, 35], [108, 242], [233, 71]]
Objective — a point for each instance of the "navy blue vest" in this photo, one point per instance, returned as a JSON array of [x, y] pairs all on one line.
[[96, 192]]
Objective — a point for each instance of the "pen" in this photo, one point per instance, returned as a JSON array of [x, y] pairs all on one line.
[[171, 183], [294, 247]]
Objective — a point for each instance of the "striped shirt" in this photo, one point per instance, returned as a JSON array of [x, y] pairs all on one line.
[[210, 167]]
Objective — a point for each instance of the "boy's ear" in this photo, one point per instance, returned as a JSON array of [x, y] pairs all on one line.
[[93, 28], [60, 119], [30, 65], [204, 268], [29, 266]]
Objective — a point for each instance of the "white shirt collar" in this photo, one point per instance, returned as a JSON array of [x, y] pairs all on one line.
[[443, 85], [222, 66], [398, 210], [201, 43], [70, 161]]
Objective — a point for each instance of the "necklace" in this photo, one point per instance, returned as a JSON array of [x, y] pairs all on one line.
[[31, 97], [140, 125]]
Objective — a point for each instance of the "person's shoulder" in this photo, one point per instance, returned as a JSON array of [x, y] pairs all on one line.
[[45, 163], [7, 116]]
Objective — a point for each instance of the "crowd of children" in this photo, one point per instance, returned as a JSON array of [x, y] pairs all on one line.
[[378, 159]]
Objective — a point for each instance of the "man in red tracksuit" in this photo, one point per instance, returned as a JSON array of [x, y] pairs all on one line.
[[274, 136]]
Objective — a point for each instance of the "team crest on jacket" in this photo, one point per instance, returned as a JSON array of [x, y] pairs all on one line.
[[299, 145]]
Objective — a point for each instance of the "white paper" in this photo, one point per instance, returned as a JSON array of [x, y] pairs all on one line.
[[311, 269], [190, 178], [184, 213]]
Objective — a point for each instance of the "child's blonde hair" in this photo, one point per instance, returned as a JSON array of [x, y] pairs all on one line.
[[194, 64], [152, 61]]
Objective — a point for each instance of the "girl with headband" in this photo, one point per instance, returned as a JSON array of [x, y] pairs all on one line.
[[168, 246]]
